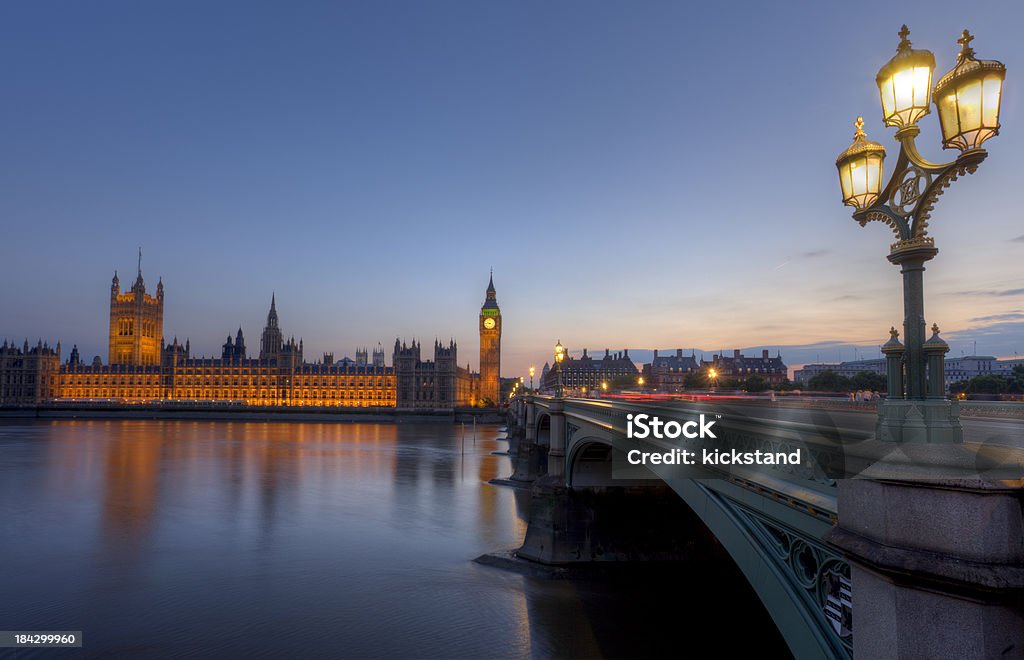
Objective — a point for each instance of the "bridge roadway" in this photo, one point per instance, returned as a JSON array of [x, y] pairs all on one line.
[[979, 428], [771, 519]]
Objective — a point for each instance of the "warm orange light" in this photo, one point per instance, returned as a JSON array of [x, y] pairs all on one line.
[[968, 99], [860, 169]]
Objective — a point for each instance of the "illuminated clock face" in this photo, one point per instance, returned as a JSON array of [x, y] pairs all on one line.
[[489, 323]]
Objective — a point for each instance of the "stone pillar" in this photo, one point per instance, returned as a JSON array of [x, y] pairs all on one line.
[[556, 453], [937, 568], [525, 457], [893, 351], [531, 421], [935, 350]]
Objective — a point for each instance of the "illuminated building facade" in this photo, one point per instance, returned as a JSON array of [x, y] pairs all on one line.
[[740, 367], [279, 376], [586, 372], [667, 373], [136, 323], [490, 347]]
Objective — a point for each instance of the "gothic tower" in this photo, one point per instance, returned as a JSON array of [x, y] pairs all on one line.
[[136, 322], [272, 341], [490, 347]]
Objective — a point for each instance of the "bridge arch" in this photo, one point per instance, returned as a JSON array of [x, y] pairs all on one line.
[[767, 540], [589, 464]]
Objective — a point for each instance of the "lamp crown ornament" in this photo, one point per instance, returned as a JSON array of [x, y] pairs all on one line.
[[966, 52], [904, 42], [968, 99]]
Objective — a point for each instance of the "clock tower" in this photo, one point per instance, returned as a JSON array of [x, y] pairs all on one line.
[[490, 347]]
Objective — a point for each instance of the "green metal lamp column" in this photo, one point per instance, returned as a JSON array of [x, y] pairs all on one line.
[[911, 264]]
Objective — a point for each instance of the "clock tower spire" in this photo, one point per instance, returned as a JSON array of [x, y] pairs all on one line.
[[490, 347]]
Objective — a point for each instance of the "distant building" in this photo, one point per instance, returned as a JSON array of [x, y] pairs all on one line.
[[490, 347], [956, 369], [142, 370], [967, 367], [431, 384], [136, 322], [587, 372], [28, 375], [847, 369], [1005, 366], [667, 373], [740, 367]]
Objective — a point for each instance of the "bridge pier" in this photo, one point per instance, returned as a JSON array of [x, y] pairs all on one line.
[[556, 450], [526, 454], [569, 525], [937, 568]]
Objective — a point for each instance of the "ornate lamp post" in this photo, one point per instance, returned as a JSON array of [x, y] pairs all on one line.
[[559, 356], [531, 378], [967, 99]]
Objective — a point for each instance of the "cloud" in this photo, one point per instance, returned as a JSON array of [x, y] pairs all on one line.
[[1019, 239], [1008, 316], [991, 292], [809, 254]]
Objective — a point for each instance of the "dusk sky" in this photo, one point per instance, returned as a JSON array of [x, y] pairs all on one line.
[[638, 174]]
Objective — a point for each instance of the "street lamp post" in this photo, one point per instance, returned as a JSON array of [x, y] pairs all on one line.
[[967, 99], [531, 378], [559, 356]]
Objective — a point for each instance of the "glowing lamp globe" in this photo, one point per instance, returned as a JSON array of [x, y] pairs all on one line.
[[905, 84], [860, 169], [968, 99]]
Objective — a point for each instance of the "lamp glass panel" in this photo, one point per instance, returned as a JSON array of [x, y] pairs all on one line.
[[846, 182], [874, 177], [968, 99], [990, 92], [903, 81], [922, 86], [948, 116], [888, 98]]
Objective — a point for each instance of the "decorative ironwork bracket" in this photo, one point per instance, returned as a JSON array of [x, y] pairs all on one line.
[[907, 200]]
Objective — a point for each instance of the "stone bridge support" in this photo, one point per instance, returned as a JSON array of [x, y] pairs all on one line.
[[525, 453], [937, 568], [556, 452]]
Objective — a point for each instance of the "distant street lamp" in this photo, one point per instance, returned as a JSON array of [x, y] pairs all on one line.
[[531, 378], [968, 99], [640, 381], [559, 356]]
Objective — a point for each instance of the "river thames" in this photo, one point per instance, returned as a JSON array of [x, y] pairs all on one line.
[[227, 539]]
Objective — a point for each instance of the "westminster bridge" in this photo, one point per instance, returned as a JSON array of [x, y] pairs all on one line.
[[922, 546]]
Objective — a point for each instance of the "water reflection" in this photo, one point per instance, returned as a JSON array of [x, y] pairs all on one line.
[[181, 538]]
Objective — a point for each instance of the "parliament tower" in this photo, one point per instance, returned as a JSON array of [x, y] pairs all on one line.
[[490, 347], [136, 323]]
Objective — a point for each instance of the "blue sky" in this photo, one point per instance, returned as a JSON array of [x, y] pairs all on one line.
[[641, 174]]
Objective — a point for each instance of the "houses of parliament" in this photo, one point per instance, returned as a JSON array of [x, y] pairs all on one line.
[[142, 368]]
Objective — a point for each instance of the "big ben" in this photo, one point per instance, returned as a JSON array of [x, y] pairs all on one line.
[[490, 347]]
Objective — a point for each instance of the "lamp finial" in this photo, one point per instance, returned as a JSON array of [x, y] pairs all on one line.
[[966, 52], [860, 128], [904, 42]]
